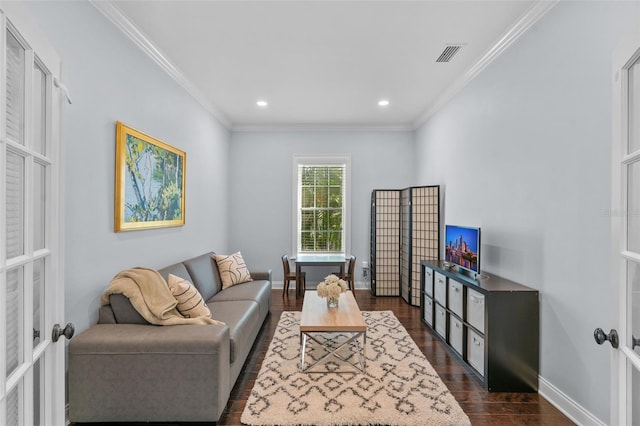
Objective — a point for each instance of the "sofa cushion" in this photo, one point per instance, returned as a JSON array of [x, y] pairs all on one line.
[[190, 302], [177, 269], [233, 270], [243, 319], [123, 310], [258, 291], [204, 274]]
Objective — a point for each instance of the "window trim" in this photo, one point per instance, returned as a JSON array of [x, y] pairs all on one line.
[[313, 160]]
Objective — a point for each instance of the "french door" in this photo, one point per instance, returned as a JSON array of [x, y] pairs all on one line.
[[625, 377], [31, 258]]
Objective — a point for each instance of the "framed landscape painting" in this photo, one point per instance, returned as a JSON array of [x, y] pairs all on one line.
[[150, 181]]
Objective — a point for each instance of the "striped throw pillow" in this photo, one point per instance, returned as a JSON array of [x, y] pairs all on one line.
[[232, 269], [190, 302]]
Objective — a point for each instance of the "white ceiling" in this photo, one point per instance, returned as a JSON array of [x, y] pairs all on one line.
[[322, 63]]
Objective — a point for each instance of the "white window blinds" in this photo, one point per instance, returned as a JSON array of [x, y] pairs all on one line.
[[15, 90], [14, 318], [15, 204]]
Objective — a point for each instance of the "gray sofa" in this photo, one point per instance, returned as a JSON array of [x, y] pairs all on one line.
[[124, 369]]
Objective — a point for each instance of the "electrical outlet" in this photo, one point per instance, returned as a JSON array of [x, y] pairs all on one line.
[[365, 270]]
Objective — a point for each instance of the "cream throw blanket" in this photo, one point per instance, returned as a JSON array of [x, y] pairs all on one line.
[[149, 294]]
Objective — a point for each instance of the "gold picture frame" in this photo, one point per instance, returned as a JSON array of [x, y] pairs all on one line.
[[149, 182]]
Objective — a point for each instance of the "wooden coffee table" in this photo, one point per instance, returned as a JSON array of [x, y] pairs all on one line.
[[347, 319]]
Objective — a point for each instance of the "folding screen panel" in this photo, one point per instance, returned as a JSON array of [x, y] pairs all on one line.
[[405, 244], [405, 229], [425, 233], [385, 242]]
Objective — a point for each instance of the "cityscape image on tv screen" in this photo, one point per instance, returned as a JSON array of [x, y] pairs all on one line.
[[461, 246]]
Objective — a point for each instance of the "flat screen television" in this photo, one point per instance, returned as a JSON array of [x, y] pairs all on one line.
[[462, 247]]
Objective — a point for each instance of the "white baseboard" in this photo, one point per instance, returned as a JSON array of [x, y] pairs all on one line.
[[570, 408], [363, 285], [279, 285]]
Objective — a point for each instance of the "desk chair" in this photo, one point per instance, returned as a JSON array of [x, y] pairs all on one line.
[[290, 276], [348, 275]]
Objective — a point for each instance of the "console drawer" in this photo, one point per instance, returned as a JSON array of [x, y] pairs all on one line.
[[455, 297], [428, 281], [428, 310], [475, 309], [441, 321], [475, 351], [440, 285], [455, 334]]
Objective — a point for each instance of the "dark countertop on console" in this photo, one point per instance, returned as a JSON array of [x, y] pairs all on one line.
[[489, 284]]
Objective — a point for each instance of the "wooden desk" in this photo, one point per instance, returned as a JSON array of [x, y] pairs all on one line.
[[316, 260]]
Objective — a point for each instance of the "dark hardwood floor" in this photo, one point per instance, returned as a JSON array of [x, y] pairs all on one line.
[[482, 407]]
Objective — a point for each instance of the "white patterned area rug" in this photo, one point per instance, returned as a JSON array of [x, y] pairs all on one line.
[[399, 387]]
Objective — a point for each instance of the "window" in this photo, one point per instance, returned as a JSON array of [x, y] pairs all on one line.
[[321, 201]]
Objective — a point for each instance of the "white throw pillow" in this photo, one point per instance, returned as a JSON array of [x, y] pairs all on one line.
[[190, 301], [232, 269]]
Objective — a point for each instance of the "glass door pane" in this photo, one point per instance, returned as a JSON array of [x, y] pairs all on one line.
[[634, 107], [14, 406], [39, 109], [634, 395], [14, 319], [15, 89], [633, 207], [39, 205], [38, 294], [633, 296], [37, 394], [15, 204]]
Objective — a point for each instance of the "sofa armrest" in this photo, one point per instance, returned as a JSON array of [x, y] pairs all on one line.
[[142, 373], [261, 275], [106, 316]]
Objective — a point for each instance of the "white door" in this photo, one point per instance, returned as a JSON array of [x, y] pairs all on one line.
[[31, 257], [625, 377]]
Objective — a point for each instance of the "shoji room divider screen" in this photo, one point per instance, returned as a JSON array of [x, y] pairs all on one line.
[[405, 229], [385, 242]]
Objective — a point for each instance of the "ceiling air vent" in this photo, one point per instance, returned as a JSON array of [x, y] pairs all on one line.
[[449, 52]]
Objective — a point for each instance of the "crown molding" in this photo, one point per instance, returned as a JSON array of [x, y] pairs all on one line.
[[109, 9], [526, 21], [328, 127]]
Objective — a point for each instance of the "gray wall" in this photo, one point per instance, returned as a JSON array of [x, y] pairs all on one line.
[[261, 184], [524, 152], [110, 79]]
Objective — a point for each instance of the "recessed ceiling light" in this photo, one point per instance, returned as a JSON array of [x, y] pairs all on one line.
[[262, 104], [383, 102]]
